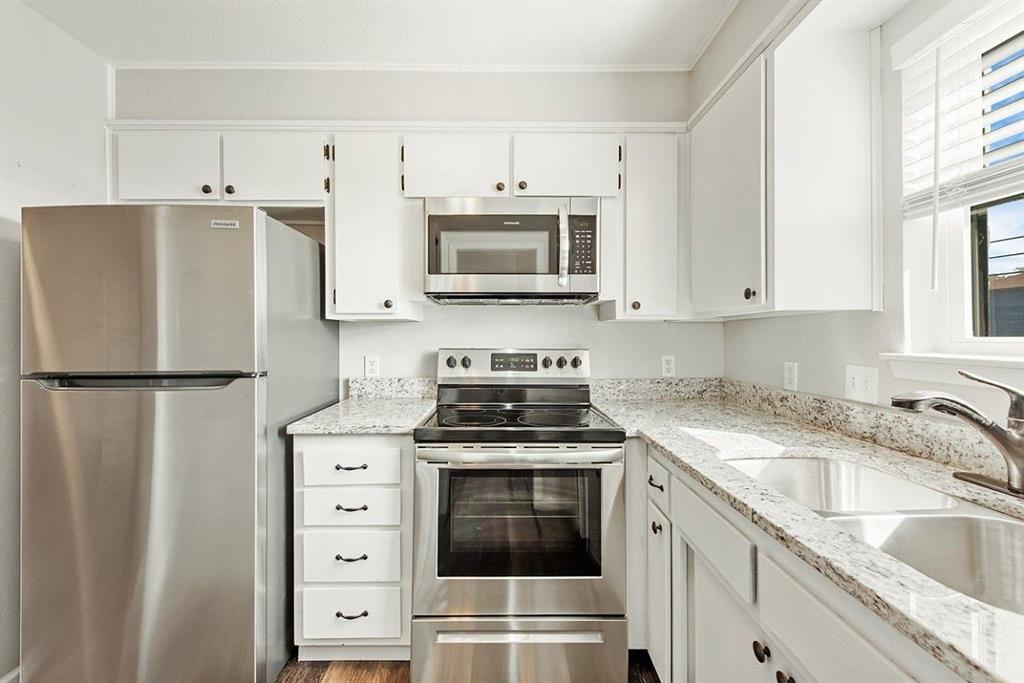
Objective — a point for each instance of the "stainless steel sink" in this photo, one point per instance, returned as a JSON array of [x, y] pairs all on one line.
[[839, 486], [979, 555]]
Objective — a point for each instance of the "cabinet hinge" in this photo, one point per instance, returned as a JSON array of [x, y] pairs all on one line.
[[327, 152], [327, 185], [620, 181], [620, 152], [403, 182]]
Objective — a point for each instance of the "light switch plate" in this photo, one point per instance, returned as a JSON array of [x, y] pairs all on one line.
[[862, 383], [668, 366], [789, 375], [371, 366]]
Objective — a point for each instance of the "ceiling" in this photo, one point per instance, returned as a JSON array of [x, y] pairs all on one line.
[[396, 34]]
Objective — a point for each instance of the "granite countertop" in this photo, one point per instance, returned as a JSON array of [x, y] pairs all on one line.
[[366, 415], [977, 641]]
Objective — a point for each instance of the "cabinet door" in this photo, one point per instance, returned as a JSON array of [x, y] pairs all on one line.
[[274, 166], [723, 634], [168, 164], [652, 225], [659, 591], [566, 165], [456, 165], [368, 224], [727, 198]]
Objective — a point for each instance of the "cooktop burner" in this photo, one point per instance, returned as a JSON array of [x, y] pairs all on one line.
[[548, 417], [471, 418]]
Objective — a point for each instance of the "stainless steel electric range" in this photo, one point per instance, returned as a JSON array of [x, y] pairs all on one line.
[[519, 561]]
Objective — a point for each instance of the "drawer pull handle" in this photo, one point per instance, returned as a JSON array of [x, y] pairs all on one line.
[[342, 468], [761, 652], [341, 508], [655, 528], [781, 677], [650, 482], [362, 614], [339, 558]]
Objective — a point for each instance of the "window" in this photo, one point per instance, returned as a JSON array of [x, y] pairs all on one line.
[[997, 257]]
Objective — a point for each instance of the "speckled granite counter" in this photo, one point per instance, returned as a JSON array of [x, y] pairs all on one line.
[[366, 416], [975, 640]]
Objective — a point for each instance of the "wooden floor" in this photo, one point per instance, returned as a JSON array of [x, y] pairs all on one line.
[[640, 671]]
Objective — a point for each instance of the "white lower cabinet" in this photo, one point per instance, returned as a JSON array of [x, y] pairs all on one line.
[[351, 613], [659, 591]]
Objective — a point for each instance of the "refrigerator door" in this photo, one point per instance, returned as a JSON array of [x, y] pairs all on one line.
[[141, 288], [141, 562]]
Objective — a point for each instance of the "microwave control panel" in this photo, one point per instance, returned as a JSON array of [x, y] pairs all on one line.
[[582, 245]]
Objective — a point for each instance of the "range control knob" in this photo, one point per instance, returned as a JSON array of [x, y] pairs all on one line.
[[451, 362], [562, 361], [576, 362], [466, 362], [546, 362]]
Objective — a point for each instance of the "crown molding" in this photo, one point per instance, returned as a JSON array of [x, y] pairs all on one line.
[[730, 6], [115, 125], [407, 67]]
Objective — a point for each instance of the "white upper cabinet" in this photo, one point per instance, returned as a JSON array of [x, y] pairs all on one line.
[[458, 165], [566, 165], [168, 165], [274, 166], [727, 199]]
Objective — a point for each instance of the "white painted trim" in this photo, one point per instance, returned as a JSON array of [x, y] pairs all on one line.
[[12, 676], [663, 67], [730, 7], [401, 126], [942, 368], [941, 25], [877, 194]]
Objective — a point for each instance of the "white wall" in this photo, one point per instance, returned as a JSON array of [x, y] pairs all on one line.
[[52, 107], [619, 349], [333, 95], [823, 344]]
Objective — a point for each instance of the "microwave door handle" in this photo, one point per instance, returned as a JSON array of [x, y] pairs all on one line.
[[563, 246]]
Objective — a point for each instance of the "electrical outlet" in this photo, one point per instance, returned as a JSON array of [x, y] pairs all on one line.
[[789, 375], [862, 383], [668, 366], [371, 366]]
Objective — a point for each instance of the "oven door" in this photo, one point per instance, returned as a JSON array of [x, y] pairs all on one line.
[[510, 246], [507, 538]]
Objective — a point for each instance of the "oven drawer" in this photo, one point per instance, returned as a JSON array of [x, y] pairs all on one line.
[[503, 649], [373, 612], [368, 556], [352, 505], [340, 466]]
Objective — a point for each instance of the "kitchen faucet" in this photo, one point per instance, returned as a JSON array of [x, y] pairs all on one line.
[[1009, 441]]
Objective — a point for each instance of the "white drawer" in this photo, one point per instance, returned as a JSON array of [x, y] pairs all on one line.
[[658, 485], [338, 466], [370, 556], [825, 646], [727, 550], [348, 506], [376, 612]]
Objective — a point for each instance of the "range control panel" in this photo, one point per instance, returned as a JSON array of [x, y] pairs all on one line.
[[455, 366], [582, 245]]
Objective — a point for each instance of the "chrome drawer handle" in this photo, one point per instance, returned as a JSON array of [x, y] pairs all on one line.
[[362, 614], [339, 558], [650, 482], [341, 508], [342, 468]]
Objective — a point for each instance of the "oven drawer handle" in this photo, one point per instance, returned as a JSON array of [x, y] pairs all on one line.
[[596, 457], [341, 615], [650, 482], [342, 468], [341, 508], [341, 558], [563, 246]]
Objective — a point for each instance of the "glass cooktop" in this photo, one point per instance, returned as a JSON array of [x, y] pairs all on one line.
[[554, 423]]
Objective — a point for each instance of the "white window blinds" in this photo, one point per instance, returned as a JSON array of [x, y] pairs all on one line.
[[963, 113]]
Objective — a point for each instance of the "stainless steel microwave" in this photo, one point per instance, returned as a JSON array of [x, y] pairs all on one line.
[[512, 250]]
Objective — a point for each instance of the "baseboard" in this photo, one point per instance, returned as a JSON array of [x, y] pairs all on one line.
[[12, 676]]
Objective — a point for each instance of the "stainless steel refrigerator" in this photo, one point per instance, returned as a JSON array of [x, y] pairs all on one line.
[[163, 350]]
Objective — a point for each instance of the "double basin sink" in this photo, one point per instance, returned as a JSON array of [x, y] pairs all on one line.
[[965, 547]]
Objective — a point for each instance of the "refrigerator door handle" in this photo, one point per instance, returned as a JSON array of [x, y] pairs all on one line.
[[152, 383]]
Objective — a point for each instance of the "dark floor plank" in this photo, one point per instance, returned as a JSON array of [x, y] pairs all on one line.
[[640, 671]]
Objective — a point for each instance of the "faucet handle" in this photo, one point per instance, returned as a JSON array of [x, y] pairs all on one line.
[[1016, 411]]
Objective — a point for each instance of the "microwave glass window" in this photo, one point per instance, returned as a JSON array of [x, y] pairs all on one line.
[[492, 245], [519, 522]]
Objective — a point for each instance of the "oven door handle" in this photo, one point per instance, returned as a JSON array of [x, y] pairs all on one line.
[[444, 456], [563, 246]]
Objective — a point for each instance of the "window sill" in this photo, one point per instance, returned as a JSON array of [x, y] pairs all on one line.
[[943, 368]]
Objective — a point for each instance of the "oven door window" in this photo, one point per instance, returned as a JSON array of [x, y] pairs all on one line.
[[493, 245], [544, 522]]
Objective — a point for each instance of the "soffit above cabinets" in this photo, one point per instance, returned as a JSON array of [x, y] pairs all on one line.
[[444, 35]]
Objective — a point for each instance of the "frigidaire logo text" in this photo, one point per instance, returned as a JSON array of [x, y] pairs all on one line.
[[510, 222]]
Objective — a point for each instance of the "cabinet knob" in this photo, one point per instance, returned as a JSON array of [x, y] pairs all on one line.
[[781, 677], [749, 293], [761, 652], [655, 527], [388, 303], [500, 187], [636, 305], [230, 189], [522, 184], [206, 189]]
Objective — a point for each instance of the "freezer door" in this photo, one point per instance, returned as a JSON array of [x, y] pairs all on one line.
[[141, 560], [141, 288]]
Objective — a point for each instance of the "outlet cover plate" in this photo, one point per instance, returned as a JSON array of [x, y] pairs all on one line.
[[668, 366], [371, 366], [862, 383], [789, 375]]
